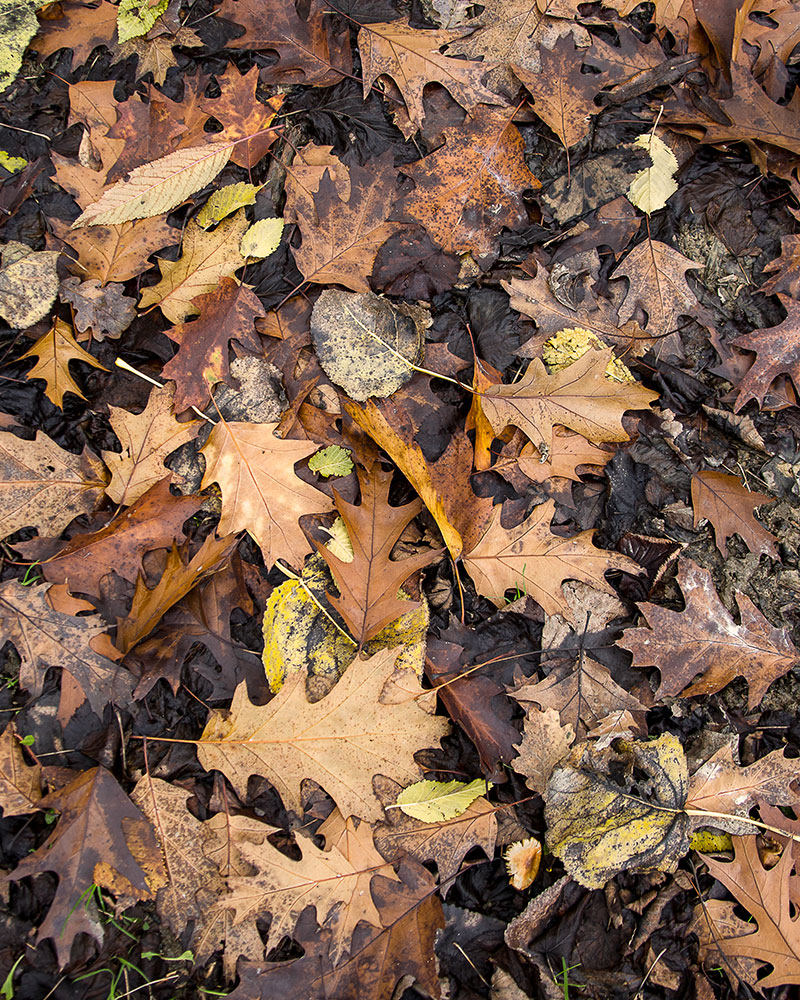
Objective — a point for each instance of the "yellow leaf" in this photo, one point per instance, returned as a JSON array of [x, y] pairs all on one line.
[[225, 201], [652, 187], [437, 801], [157, 187], [262, 238], [55, 349]]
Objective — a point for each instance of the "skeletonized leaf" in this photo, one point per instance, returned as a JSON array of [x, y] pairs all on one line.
[[436, 801], [157, 187]]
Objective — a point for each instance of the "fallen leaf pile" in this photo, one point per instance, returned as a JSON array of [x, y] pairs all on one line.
[[399, 499]]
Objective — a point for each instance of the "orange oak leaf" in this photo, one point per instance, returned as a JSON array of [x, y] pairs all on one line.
[[260, 491], [241, 114], [341, 237], [340, 742], [228, 312], [369, 583], [54, 351], [471, 188], [568, 453], [116, 253], [80, 30], [704, 639], [729, 506], [579, 397], [777, 350], [100, 839], [765, 893], [180, 575], [533, 559], [412, 58], [146, 438]]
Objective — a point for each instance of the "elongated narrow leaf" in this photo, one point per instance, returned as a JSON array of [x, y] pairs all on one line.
[[437, 801], [157, 187]]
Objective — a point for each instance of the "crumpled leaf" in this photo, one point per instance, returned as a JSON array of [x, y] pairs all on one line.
[[28, 284], [600, 827], [437, 801], [652, 187], [103, 309], [358, 336], [340, 742], [157, 187], [54, 351]]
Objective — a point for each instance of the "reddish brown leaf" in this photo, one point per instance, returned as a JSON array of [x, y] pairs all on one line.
[[729, 507], [777, 350], [238, 110], [227, 313], [101, 839], [704, 639]]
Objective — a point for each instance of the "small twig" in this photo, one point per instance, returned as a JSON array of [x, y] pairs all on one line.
[[120, 363]]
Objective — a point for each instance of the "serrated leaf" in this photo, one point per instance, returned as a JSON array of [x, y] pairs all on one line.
[[652, 187], [157, 187], [262, 238], [136, 17], [225, 201], [437, 801], [331, 461]]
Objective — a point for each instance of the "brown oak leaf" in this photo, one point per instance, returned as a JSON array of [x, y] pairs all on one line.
[[116, 253], [579, 397], [100, 839], [80, 30], [54, 351], [20, 782], [704, 639], [228, 312], [146, 438], [777, 350], [260, 491], [721, 785], [340, 742], [787, 269], [533, 559], [242, 115], [368, 584], [729, 506]]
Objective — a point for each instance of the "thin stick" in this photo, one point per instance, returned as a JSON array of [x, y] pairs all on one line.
[[120, 363]]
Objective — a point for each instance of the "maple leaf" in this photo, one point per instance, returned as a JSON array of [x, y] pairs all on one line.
[[777, 350], [412, 59], [579, 397], [378, 959], [179, 577], [45, 637], [44, 486], [729, 507], [536, 561], [339, 742], [766, 894], [54, 351], [471, 188], [369, 583], [260, 490], [227, 312], [535, 299], [146, 438], [20, 782], [336, 882], [206, 257], [721, 785], [341, 236], [704, 639], [153, 521], [101, 839], [563, 95], [583, 693], [242, 115], [658, 285], [196, 884], [103, 311], [309, 51], [116, 253], [447, 843]]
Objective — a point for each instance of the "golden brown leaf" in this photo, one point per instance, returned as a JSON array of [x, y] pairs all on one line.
[[117, 253], [729, 506], [54, 351], [147, 438], [20, 782], [340, 742]]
